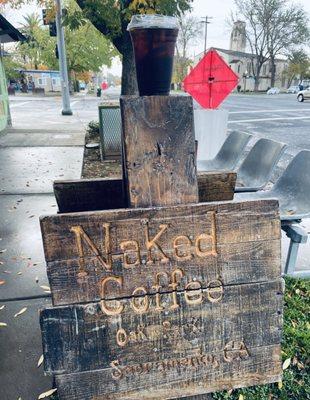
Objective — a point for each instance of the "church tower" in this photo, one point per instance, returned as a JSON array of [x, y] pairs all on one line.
[[238, 37]]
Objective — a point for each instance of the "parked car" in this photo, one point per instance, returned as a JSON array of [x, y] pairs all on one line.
[[293, 89], [303, 95], [273, 90]]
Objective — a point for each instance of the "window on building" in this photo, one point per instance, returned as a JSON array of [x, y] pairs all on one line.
[[249, 67], [264, 69], [239, 69], [42, 81]]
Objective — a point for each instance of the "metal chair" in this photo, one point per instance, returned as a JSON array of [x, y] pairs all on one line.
[[228, 155], [256, 169], [292, 190]]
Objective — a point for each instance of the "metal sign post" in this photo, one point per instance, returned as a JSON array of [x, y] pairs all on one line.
[[66, 110]]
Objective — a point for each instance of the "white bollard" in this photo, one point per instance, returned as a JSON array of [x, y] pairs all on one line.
[[210, 131]]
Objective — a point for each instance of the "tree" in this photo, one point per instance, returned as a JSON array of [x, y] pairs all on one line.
[[87, 49], [256, 16], [299, 66], [38, 41], [273, 28], [287, 28], [190, 30], [111, 18]]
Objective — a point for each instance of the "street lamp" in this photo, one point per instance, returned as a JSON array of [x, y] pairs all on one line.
[[245, 76]]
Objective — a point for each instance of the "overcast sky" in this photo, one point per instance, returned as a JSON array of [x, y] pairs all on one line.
[[218, 29]]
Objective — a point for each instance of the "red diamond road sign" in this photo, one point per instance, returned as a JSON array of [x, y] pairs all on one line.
[[211, 81]]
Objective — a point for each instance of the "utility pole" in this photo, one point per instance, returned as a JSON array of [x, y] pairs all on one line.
[[63, 69], [206, 21]]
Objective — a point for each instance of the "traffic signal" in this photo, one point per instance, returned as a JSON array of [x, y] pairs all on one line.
[[53, 29]]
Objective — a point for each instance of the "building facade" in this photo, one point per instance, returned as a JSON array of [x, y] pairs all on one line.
[[241, 62], [44, 79]]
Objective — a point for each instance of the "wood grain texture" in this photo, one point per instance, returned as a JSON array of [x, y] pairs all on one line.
[[216, 186], [107, 194], [244, 247], [264, 366], [89, 195], [147, 329], [159, 150]]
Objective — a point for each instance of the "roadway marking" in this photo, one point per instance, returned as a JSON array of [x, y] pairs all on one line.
[[266, 119], [18, 104], [268, 111], [74, 102]]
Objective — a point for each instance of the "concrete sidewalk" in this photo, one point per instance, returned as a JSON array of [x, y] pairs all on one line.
[[32, 155]]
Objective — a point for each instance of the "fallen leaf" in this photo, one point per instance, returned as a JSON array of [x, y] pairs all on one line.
[[47, 291], [47, 394], [2, 282], [290, 212], [280, 385], [286, 364], [2, 324], [40, 361], [20, 312], [44, 287], [2, 307], [2, 251], [7, 272], [19, 273], [300, 365]]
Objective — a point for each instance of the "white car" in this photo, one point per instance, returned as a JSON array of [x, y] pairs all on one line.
[[273, 90], [303, 95], [293, 89]]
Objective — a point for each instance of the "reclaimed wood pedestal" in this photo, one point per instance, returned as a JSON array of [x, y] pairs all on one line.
[[166, 298]]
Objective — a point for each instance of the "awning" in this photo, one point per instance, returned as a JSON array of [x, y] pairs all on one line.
[[8, 33]]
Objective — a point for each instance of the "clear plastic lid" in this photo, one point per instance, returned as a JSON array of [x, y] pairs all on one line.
[[152, 21]]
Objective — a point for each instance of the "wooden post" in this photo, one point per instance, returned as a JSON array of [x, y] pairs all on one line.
[[159, 150]]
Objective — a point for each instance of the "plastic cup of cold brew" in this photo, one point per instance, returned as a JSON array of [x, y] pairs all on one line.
[[153, 38]]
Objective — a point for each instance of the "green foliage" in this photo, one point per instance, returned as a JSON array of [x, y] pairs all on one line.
[[299, 65], [295, 346], [11, 68], [111, 17], [93, 129], [87, 49]]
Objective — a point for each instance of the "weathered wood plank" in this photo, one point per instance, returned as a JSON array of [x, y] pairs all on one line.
[[159, 150], [152, 328], [234, 243], [216, 186], [107, 194], [235, 264], [89, 195], [262, 367], [236, 222]]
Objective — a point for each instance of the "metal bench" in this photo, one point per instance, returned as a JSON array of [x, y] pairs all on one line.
[[228, 155], [256, 169], [292, 190]]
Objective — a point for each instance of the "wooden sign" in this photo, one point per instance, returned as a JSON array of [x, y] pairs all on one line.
[[163, 303]]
